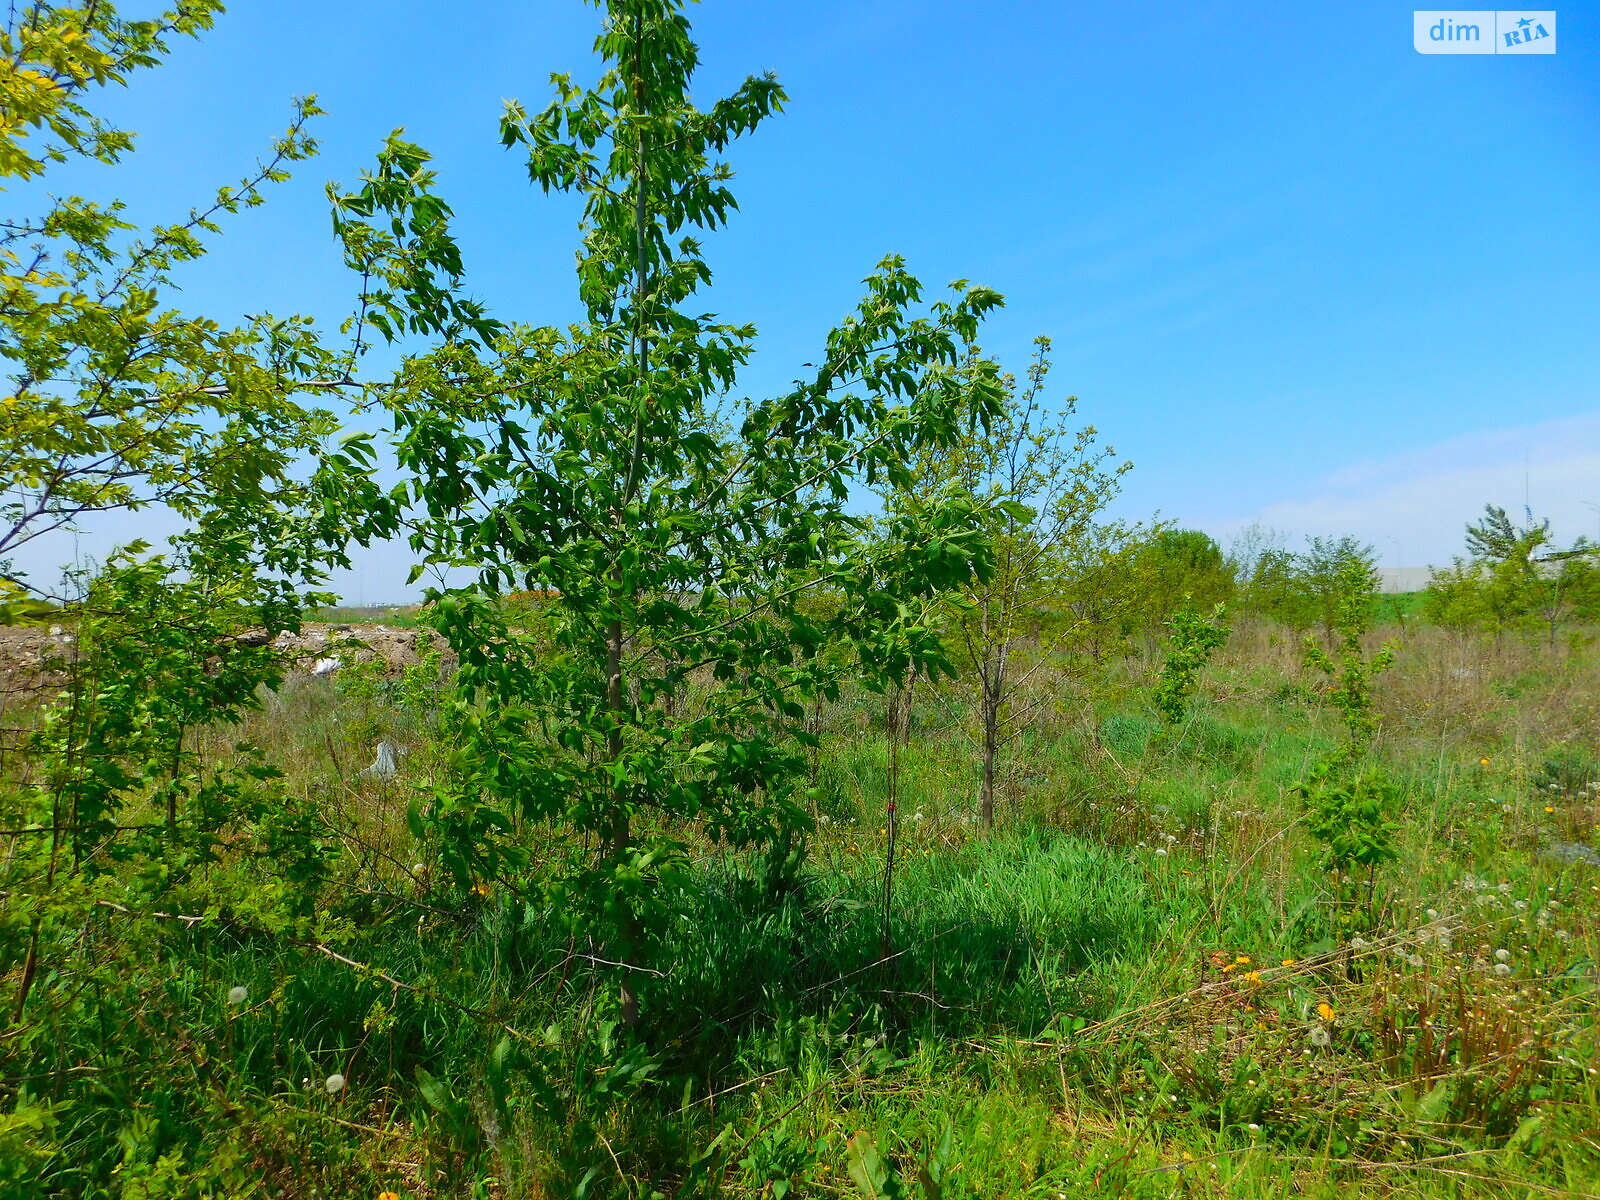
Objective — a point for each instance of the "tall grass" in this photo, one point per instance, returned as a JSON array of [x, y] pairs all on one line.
[[1134, 987]]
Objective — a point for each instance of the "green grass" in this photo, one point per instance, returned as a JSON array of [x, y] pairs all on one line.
[[1119, 992]]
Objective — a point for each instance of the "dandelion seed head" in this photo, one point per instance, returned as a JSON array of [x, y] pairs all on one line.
[[238, 995], [333, 1083]]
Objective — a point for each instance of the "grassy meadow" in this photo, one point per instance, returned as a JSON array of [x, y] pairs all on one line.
[[1137, 985]]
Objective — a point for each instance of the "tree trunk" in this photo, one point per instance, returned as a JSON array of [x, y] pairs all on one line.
[[621, 835], [991, 742], [892, 732]]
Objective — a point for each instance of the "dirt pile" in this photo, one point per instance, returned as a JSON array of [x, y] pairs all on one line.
[[323, 649], [31, 656]]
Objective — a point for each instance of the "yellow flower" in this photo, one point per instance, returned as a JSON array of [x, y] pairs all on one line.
[[1253, 977], [481, 890], [1483, 762], [1243, 958], [1230, 967], [1325, 1010], [1547, 808], [1288, 962], [388, 1196]]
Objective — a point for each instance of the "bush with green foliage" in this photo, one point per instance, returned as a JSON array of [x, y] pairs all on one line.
[[1191, 641], [1175, 567]]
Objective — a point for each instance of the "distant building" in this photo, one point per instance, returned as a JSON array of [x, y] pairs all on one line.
[[1403, 579]]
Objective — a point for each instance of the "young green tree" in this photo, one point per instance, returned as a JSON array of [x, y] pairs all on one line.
[[678, 533], [1350, 805], [1327, 573], [116, 400], [112, 399], [1044, 487], [1179, 567], [1264, 570], [1192, 638], [1512, 578]]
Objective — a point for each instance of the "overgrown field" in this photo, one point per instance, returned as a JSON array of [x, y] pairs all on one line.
[[806, 794], [1138, 985]]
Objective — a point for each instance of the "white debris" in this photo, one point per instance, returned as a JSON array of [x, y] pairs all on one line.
[[324, 667], [386, 765]]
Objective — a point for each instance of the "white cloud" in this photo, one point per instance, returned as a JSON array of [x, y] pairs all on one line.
[[1414, 507]]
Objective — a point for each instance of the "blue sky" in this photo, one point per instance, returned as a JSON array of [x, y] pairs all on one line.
[[1294, 270]]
